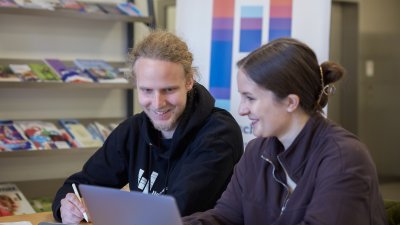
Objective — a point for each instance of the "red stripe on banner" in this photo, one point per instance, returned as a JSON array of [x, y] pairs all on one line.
[[281, 11], [223, 8]]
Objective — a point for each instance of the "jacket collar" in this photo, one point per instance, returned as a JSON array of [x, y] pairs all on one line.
[[295, 158]]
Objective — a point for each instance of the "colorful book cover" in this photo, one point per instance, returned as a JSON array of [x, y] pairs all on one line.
[[99, 130], [101, 70], [44, 72], [71, 4], [68, 137], [103, 130], [55, 4], [110, 9], [44, 135], [13, 201], [129, 9], [24, 72], [34, 4], [94, 132], [6, 74], [79, 133], [69, 74], [8, 3], [112, 126], [89, 7], [11, 138]]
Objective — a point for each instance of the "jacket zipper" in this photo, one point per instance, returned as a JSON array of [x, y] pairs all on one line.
[[277, 180]]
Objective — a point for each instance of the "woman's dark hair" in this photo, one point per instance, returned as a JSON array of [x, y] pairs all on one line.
[[287, 66]]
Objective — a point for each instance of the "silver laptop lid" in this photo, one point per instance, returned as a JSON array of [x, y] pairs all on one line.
[[109, 206]]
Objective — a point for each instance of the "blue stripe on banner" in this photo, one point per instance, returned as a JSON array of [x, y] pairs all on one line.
[[280, 23], [275, 34], [221, 59], [249, 40], [223, 104], [223, 93], [251, 11]]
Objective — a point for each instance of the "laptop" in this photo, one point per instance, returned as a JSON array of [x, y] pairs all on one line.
[[109, 206]]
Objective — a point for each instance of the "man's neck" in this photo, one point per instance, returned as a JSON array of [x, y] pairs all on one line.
[[167, 134]]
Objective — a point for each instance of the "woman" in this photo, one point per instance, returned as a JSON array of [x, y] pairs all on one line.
[[302, 168]]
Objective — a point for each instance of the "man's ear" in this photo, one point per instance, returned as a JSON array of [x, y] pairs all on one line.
[[293, 102], [189, 83]]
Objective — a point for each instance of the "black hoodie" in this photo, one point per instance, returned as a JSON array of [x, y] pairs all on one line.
[[194, 166]]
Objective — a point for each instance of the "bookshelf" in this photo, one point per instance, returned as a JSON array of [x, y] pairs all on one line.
[[57, 13], [39, 173]]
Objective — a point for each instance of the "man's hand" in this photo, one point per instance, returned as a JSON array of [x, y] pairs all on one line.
[[71, 209]]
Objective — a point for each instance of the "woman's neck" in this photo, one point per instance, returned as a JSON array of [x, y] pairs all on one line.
[[297, 124]]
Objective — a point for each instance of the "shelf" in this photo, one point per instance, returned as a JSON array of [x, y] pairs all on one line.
[[74, 14], [62, 85]]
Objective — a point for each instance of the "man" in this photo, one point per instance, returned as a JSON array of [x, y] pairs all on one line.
[[180, 145]]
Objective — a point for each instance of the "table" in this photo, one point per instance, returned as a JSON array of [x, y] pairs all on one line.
[[34, 218]]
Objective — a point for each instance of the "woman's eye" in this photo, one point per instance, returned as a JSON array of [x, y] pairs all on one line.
[[249, 98]]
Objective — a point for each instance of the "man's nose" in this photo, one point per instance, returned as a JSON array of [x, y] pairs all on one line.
[[159, 100]]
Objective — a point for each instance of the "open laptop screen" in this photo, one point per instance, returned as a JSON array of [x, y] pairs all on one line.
[[109, 206]]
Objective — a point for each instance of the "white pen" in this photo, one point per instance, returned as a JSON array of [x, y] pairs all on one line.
[[79, 197]]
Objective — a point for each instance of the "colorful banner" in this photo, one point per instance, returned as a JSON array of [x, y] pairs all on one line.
[[221, 32]]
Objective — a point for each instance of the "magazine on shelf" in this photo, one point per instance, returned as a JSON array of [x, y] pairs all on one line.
[[103, 130], [94, 132], [43, 134], [90, 7], [24, 72], [6, 74], [35, 4], [69, 139], [112, 126], [11, 138], [8, 3], [55, 4], [44, 72], [13, 201], [79, 133], [71, 4], [99, 130], [100, 70], [110, 8], [129, 9], [69, 74]]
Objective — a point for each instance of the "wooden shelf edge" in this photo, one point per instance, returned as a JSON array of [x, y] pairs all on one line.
[[74, 14], [53, 152], [62, 85]]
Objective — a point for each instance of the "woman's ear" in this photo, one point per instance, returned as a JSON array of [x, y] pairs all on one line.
[[293, 102]]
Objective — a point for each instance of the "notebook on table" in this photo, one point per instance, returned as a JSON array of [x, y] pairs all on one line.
[[112, 206]]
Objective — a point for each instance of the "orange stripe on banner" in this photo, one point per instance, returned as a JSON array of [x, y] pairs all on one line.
[[281, 3]]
